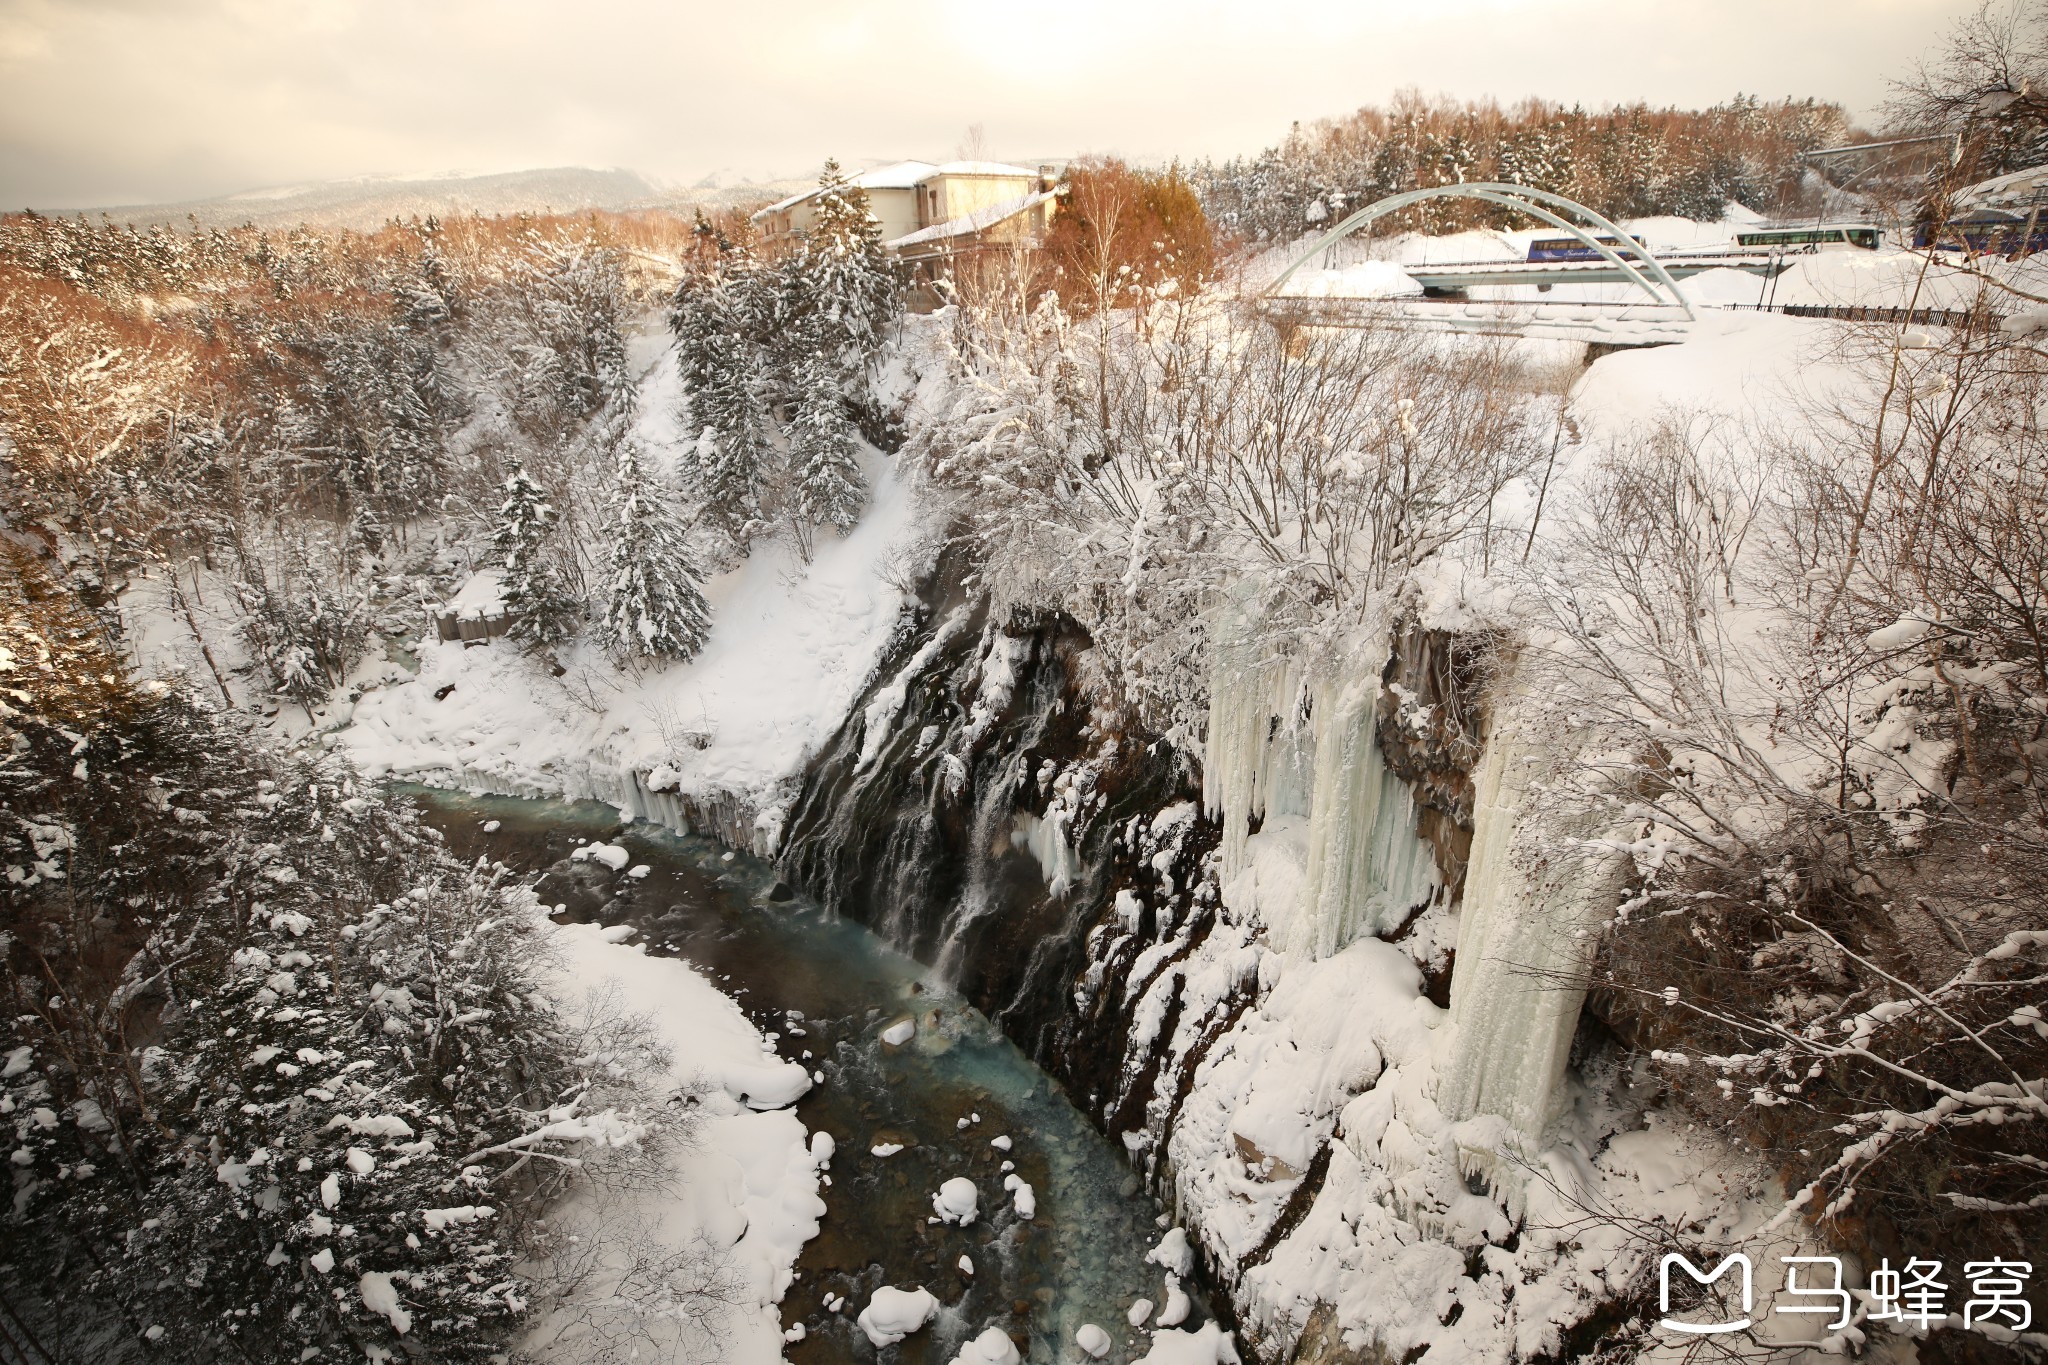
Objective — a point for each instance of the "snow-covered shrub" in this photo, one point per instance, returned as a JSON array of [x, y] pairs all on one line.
[[279, 1073], [1819, 712], [1130, 470]]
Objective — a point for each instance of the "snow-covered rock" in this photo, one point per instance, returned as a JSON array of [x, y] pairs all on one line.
[[893, 1314], [611, 855], [1093, 1340], [899, 1033], [1173, 1254], [992, 1347], [1022, 1197], [957, 1201]]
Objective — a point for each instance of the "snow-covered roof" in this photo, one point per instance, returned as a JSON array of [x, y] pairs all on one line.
[[2017, 187], [482, 595], [985, 168], [978, 221], [903, 175]]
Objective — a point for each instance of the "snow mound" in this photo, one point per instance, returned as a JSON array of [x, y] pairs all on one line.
[[899, 1033], [992, 1347], [957, 1201], [1093, 1340], [893, 1314], [611, 855], [1206, 1345]]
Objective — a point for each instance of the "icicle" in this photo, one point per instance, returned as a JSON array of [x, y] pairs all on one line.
[[1526, 935], [1250, 697], [1367, 868]]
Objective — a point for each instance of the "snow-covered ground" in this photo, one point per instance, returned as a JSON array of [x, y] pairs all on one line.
[[744, 1191]]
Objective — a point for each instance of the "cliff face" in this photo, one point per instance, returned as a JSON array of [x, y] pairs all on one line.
[[976, 810]]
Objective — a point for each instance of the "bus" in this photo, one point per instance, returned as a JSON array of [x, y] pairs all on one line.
[[1572, 249], [1986, 232], [1820, 237]]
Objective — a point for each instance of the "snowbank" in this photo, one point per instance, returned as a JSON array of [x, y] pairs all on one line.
[[749, 1184]]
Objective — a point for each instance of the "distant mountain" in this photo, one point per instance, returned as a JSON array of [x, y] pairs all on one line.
[[369, 201]]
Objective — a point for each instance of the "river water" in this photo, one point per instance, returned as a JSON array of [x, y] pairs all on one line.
[[824, 989]]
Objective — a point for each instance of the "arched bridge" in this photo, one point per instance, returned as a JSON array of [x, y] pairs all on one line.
[[1663, 315]]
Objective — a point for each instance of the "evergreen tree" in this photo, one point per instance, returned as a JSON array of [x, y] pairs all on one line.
[[718, 321], [653, 608], [543, 610], [846, 277], [829, 488]]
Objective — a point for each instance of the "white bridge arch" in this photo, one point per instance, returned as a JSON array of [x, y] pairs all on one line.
[[1522, 199]]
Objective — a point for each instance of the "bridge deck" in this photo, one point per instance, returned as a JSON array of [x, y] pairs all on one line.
[[1601, 324], [1468, 274]]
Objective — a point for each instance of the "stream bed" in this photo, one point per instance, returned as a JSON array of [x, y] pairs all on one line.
[[824, 989]]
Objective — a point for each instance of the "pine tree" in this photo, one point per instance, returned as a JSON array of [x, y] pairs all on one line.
[[849, 283], [653, 608], [543, 610], [829, 488], [718, 319]]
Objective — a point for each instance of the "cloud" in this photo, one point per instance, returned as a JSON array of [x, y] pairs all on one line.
[[121, 101]]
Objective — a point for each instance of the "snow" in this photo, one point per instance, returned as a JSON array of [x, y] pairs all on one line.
[[1141, 1309], [957, 1201], [1000, 1143], [791, 646], [992, 1347], [899, 1033], [748, 1183], [381, 1298], [1364, 280], [483, 595], [1093, 1340], [1900, 634], [885, 1149], [1206, 1345], [893, 1314]]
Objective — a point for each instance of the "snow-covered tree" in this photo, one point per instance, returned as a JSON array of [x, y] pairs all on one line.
[[846, 279], [828, 487], [543, 608], [719, 316], [652, 608], [280, 1076]]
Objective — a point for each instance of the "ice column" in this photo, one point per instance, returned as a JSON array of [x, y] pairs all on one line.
[[1526, 935], [1272, 757], [1367, 869]]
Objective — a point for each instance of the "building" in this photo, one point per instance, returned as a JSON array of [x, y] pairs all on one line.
[[895, 194], [928, 212]]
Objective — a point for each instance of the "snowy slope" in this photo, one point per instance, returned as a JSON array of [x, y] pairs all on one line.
[[790, 648]]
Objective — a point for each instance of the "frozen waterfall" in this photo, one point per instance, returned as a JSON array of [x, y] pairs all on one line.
[[1526, 935], [1289, 740]]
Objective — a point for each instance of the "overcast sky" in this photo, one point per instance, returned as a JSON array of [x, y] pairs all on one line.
[[131, 101]]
